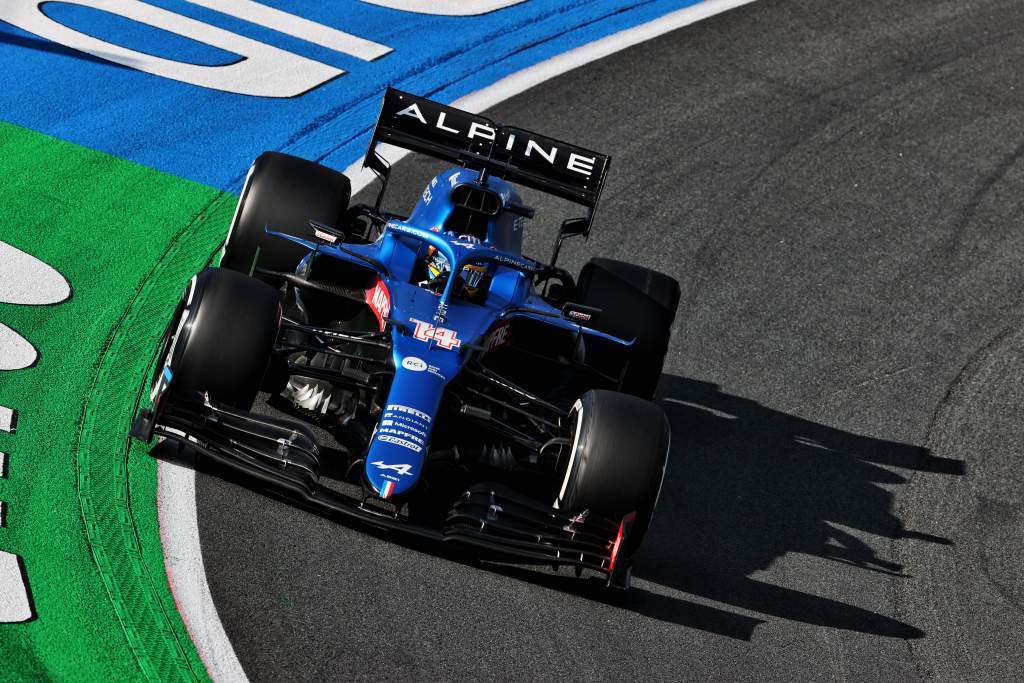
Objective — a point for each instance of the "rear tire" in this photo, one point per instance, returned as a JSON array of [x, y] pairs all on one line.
[[221, 338], [284, 193], [635, 302]]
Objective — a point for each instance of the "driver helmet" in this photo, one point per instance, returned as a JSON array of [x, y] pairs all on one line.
[[472, 274]]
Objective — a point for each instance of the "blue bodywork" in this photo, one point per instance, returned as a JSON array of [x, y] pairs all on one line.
[[435, 333]]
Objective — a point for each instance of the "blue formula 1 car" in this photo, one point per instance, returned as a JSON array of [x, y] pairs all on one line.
[[420, 374]]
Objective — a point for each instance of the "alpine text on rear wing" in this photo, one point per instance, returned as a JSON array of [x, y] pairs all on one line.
[[421, 125]]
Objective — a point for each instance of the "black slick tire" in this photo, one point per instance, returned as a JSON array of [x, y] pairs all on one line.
[[222, 337], [616, 467], [635, 302], [284, 193]]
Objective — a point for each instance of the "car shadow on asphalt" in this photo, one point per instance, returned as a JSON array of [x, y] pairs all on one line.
[[747, 484]]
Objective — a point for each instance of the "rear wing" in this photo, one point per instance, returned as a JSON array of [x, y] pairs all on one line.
[[520, 156]]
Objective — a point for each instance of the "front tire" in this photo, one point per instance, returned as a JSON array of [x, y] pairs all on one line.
[[616, 467], [220, 339], [620, 448]]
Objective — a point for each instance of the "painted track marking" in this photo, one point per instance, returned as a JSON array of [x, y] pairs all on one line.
[[24, 280]]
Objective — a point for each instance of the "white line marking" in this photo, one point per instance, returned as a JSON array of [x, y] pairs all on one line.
[[14, 604], [179, 529], [521, 81], [16, 353], [3, 465], [262, 70], [183, 560], [298, 27], [7, 419], [451, 8], [24, 279]]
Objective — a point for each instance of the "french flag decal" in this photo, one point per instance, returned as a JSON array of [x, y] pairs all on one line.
[[389, 486]]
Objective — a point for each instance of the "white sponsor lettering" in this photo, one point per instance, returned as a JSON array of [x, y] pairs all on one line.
[[532, 145], [581, 164], [440, 124], [406, 423], [531, 149], [480, 130], [413, 363], [401, 433], [387, 438], [412, 110], [379, 299], [396, 408]]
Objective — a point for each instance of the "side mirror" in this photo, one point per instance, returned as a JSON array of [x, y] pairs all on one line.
[[574, 226], [570, 227], [325, 233], [578, 313]]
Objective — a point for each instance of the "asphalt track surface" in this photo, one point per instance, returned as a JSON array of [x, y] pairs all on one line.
[[838, 188]]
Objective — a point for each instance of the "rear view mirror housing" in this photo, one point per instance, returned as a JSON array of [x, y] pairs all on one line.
[[574, 226], [580, 314], [326, 234], [570, 227]]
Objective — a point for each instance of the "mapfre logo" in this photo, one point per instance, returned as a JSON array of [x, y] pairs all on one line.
[[379, 299], [499, 338]]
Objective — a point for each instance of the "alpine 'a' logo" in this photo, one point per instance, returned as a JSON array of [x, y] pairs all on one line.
[[404, 470]]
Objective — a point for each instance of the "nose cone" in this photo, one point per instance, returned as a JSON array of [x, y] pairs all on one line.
[[398, 448], [399, 445]]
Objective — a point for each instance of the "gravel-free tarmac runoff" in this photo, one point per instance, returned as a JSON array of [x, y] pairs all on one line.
[[838, 188]]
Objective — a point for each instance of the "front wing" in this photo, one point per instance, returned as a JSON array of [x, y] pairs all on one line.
[[494, 521]]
